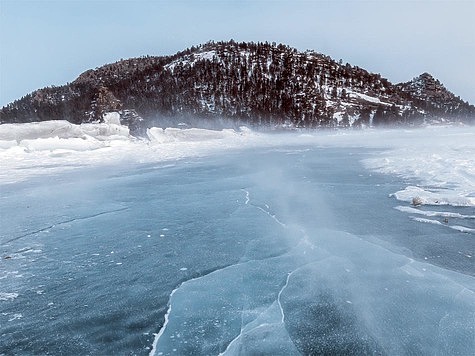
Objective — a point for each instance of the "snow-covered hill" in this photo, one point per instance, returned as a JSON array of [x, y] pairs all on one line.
[[256, 83]]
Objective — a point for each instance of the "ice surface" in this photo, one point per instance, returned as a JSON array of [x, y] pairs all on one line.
[[332, 293], [437, 162], [276, 248]]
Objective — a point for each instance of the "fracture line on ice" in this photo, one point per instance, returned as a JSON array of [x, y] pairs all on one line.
[[267, 212], [279, 295], [162, 330], [247, 196], [240, 335], [64, 222], [272, 216], [305, 236], [279, 303], [167, 315]]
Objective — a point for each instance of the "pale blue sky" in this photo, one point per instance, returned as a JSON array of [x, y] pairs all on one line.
[[46, 43]]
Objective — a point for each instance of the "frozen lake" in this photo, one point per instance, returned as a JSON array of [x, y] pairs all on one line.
[[295, 249]]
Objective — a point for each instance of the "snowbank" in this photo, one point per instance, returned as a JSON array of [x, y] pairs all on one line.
[[159, 135], [61, 129], [433, 196], [44, 148]]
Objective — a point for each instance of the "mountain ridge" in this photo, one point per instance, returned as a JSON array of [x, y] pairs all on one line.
[[262, 84]]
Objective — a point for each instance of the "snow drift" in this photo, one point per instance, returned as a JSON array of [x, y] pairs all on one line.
[[39, 148]]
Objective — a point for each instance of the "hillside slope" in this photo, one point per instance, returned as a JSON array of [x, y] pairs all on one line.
[[257, 83]]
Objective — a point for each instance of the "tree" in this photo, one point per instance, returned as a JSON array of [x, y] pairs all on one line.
[[343, 93], [334, 92]]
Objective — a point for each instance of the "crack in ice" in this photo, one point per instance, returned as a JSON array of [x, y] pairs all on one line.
[[272, 216], [165, 323], [240, 335], [267, 212], [167, 314], [279, 303], [62, 223], [247, 196], [280, 294], [162, 329]]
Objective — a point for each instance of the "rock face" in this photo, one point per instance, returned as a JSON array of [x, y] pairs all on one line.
[[255, 83]]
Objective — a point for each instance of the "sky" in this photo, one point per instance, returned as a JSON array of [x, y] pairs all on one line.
[[44, 43]]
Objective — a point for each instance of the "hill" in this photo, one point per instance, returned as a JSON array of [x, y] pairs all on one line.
[[261, 84]]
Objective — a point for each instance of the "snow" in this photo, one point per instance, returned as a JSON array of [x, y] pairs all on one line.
[[459, 228], [440, 159], [192, 59], [462, 229], [431, 196], [428, 221], [429, 213], [159, 135], [7, 296], [112, 118], [62, 129], [86, 143], [365, 97], [438, 162], [32, 149]]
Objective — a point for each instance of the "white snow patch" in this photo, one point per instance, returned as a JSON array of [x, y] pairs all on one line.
[[462, 229], [428, 221], [112, 118], [8, 296], [436, 197], [159, 135], [443, 214], [365, 97], [191, 59], [436, 222], [16, 316]]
